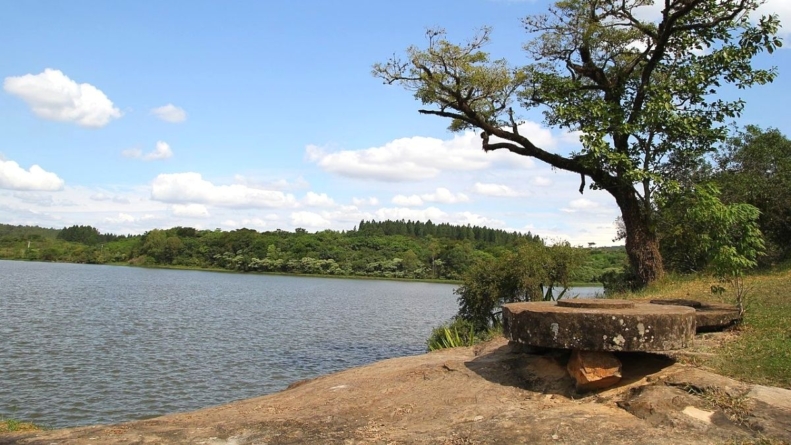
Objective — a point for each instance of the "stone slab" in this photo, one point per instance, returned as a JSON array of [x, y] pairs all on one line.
[[594, 370], [709, 317], [643, 327]]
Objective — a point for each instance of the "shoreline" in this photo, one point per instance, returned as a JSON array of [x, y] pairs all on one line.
[[284, 274], [488, 394]]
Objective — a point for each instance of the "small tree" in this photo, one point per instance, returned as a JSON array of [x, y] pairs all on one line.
[[730, 236], [533, 273], [642, 93]]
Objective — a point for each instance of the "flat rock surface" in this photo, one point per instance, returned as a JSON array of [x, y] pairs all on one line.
[[484, 395], [709, 317], [599, 325]]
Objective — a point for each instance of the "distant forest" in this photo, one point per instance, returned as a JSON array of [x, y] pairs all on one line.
[[386, 249]]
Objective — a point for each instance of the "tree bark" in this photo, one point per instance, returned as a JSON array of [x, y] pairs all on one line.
[[642, 242]]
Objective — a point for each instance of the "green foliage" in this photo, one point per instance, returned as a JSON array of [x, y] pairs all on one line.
[[441, 251], [642, 94], [452, 335], [754, 167], [700, 232], [533, 272], [84, 234]]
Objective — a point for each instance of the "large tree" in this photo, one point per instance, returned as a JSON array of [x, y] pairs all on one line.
[[755, 168], [642, 93]]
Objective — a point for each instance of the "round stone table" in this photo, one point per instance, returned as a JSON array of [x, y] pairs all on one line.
[[599, 325]]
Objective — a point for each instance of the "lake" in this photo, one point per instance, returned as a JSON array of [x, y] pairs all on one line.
[[86, 344]]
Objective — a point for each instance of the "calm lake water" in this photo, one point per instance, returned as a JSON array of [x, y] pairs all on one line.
[[86, 344]]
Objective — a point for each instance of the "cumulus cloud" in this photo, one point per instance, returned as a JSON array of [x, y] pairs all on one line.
[[541, 181], [496, 190], [190, 210], [475, 219], [52, 95], [14, 177], [441, 195], [191, 188], [370, 201], [278, 184], [318, 200], [420, 158], [407, 201], [246, 222], [396, 213], [121, 218], [162, 151], [582, 205], [170, 113], [445, 196], [309, 219]]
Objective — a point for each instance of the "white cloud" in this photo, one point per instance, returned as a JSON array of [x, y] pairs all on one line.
[[191, 210], [245, 222], [186, 188], [407, 201], [474, 219], [170, 113], [497, 190], [120, 219], [279, 184], [14, 177], [162, 151], [441, 195], [582, 205], [309, 219], [53, 96], [370, 201], [445, 196], [421, 158], [318, 200], [541, 181], [396, 213]]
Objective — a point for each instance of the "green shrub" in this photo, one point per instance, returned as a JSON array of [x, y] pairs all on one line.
[[452, 335]]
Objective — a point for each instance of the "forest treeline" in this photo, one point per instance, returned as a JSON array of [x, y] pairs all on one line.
[[387, 249]]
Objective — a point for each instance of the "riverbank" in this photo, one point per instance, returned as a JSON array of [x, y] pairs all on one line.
[[490, 394]]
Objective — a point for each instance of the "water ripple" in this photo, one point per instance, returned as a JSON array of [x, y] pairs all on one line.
[[84, 344]]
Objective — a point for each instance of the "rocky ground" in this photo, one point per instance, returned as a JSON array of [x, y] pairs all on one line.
[[491, 394]]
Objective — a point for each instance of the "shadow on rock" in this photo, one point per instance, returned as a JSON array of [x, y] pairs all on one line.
[[544, 370]]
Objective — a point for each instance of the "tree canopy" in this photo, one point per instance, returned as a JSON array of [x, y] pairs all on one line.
[[644, 94]]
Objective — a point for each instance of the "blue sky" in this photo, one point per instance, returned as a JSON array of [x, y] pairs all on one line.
[[131, 115]]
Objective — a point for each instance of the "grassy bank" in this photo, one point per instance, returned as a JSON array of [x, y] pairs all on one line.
[[761, 350], [11, 425]]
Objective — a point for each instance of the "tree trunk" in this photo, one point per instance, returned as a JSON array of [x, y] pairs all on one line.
[[642, 243]]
